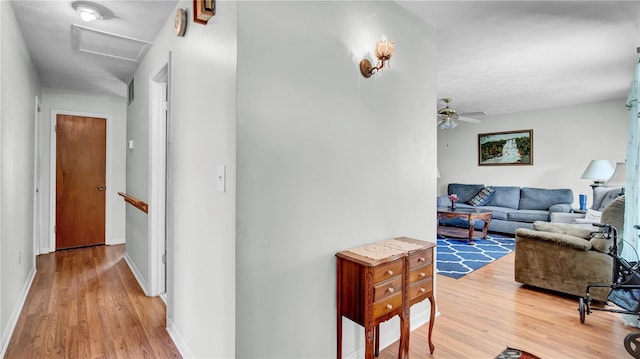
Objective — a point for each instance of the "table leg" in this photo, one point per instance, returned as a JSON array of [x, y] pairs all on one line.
[[485, 229], [339, 309], [432, 319], [471, 228], [368, 341], [376, 340]]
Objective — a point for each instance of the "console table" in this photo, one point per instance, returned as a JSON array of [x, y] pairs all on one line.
[[379, 281]]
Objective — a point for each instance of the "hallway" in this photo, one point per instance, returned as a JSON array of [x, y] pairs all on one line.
[[86, 303]]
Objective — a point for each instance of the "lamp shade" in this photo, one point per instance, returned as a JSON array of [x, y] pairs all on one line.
[[598, 170], [619, 176]]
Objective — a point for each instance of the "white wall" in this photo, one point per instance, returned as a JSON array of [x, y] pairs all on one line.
[[565, 140], [19, 85], [202, 107], [327, 160], [114, 108]]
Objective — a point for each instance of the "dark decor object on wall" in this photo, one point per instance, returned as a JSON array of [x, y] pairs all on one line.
[[505, 148], [203, 10]]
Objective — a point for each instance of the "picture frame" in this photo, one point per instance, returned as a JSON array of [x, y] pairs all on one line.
[[203, 10], [508, 148]]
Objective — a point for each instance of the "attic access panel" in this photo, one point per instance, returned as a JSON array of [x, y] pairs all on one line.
[[107, 44]]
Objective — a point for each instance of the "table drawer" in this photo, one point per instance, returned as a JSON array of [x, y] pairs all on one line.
[[387, 271], [387, 305], [420, 258], [423, 288], [387, 288], [421, 273]]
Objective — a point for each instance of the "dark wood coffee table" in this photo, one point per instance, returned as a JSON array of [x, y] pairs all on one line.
[[468, 214]]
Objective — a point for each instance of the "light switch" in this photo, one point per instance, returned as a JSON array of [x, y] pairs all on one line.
[[130, 144], [221, 178]]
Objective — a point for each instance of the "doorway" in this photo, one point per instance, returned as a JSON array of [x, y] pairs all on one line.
[[81, 144]]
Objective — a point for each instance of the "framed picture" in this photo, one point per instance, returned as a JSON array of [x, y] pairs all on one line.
[[510, 148]]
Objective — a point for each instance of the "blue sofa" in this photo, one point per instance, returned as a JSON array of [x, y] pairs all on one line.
[[511, 207]]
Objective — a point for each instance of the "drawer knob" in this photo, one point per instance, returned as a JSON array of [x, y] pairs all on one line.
[[422, 290], [389, 306], [390, 289], [422, 259], [390, 272], [423, 274]]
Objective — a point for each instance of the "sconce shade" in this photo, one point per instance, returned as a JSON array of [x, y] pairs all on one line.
[[384, 49], [599, 171], [619, 177]]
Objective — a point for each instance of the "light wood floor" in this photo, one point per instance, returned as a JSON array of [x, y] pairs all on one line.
[[484, 312], [85, 303]]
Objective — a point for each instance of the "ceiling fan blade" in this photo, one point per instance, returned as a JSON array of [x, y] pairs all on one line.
[[473, 114], [469, 119]]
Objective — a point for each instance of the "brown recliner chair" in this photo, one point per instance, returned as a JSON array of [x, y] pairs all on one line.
[[563, 258]]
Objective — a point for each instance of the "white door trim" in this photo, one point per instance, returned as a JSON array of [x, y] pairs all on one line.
[[52, 176], [158, 135], [37, 201]]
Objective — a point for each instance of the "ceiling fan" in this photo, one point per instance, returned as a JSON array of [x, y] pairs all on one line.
[[447, 116]]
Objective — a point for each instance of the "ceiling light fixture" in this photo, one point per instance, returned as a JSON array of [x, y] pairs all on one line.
[[88, 11], [384, 51]]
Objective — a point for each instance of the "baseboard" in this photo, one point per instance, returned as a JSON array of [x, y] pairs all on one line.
[[13, 320], [116, 241], [181, 345], [389, 338], [136, 273]]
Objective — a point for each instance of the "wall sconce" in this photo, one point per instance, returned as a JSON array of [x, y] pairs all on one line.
[[384, 51]]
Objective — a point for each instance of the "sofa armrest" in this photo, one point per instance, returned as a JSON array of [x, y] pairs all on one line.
[[561, 207], [561, 217], [443, 201]]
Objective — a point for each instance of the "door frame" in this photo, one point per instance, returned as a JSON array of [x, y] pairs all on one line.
[[37, 201], [53, 178], [158, 224]]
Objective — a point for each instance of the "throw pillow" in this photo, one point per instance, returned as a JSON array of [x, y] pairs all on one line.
[[593, 215], [482, 197]]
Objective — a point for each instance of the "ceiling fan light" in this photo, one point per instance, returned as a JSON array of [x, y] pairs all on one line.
[[448, 124]]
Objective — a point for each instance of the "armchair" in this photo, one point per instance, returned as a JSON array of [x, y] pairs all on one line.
[[564, 258]]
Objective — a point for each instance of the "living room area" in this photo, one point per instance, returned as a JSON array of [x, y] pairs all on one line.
[[565, 138]]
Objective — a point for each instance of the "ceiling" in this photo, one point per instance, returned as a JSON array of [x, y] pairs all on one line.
[[493, 56], [46, 26]]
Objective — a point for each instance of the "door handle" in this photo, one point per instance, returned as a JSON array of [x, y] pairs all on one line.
[[100, 188]]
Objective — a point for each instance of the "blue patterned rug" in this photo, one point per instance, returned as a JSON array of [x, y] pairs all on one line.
[[456, 258]]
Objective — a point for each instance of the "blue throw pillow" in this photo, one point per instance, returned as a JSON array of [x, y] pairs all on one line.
[[482, 197]]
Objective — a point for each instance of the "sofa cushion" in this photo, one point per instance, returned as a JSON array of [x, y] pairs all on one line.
[[482, 197], [542, 199], [560, 239], [562, 228], [499, 212], [613, 214], [528, 215], [505, 196], [464, 191]]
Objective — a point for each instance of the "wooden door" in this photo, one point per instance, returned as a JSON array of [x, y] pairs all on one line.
[[80, 181]]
